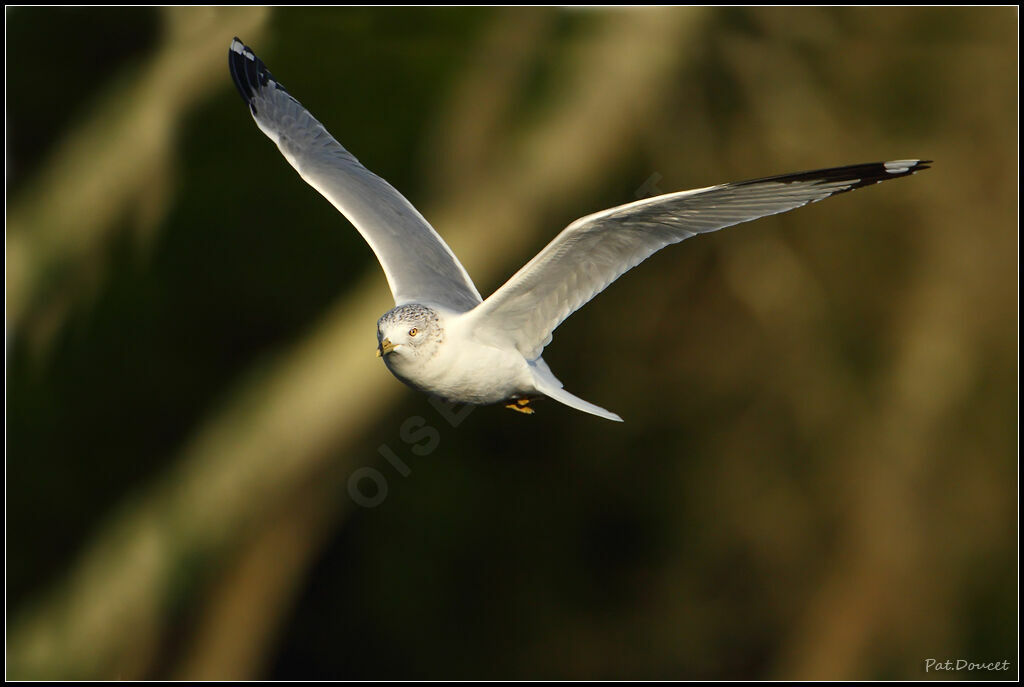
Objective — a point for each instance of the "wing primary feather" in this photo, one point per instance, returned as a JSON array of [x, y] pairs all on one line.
[[861, 175], [419, 266], [595, 250]]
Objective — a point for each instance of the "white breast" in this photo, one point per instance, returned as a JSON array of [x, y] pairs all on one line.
[[466, 371]]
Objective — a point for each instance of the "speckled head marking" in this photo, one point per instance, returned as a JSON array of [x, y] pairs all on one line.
[[408, 313], [409, 331]]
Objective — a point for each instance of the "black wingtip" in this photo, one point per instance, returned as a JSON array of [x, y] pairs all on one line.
[[248, 72], [858, 175], [876, 172]]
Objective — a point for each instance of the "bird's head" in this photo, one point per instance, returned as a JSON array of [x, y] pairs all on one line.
[[407, 333]]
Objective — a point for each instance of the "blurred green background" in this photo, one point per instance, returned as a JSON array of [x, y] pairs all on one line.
[[817, 473]]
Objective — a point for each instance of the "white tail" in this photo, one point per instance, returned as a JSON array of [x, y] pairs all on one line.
[[549, 385]]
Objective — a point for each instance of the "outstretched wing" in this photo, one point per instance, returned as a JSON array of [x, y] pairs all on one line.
[[595, 250], [418, 264]]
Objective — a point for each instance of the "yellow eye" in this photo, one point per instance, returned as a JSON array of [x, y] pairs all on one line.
[[414, 331]]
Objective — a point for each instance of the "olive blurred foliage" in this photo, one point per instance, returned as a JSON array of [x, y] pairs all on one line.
[[817, 473]]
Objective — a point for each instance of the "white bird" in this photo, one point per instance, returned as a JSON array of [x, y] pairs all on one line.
[[442, 337]]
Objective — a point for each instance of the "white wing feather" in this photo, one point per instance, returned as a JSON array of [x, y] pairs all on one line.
[[419, 266], [595, 250]]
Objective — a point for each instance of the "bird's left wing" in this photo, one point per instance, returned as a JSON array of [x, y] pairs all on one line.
[[418, 264], [595, 250]]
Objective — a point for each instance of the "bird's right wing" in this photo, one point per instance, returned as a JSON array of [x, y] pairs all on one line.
[[418, 264], [595, 250]]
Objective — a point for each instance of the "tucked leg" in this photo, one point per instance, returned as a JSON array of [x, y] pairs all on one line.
[[520, 405]]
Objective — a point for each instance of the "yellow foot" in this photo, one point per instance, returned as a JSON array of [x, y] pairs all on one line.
[[520, 405]]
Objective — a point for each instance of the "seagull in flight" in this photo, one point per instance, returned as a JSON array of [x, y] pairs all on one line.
[[441, 337]]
